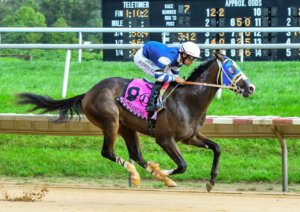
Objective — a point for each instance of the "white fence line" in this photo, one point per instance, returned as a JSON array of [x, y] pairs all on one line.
[[136, 46], [159, 29], [155, 30]]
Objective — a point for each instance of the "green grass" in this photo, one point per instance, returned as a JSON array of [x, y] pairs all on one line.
[[249, 160], [277, 93]]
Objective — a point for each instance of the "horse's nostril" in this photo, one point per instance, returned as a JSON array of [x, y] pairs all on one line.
[[252, 88]]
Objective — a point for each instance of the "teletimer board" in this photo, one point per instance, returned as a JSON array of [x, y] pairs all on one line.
[[203, 13]]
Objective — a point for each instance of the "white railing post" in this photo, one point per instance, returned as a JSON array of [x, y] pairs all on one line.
[[66, 74], [242, 50], [164, 37], [80, 50], [284, 158]]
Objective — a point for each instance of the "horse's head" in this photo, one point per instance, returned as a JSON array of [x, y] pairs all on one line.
[[230, 74]]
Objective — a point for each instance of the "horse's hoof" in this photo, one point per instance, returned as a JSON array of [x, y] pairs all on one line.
[[135, 177], [209, 186], [136, 180], [169, 182], [153, 165]]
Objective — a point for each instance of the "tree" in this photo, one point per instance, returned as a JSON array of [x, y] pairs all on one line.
[[24, 17], [75, 12], [54, 9], [16, 4], [4, 11], [95, 21], [61, 37]]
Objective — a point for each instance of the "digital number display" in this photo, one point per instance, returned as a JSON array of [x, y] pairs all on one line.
[[204, 13]]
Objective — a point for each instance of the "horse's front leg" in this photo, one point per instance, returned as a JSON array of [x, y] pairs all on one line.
[[159, 174], [170, 147], [133, 145], [201, 141]]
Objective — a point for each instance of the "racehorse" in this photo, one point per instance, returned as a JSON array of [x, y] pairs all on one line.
[[181, 120]]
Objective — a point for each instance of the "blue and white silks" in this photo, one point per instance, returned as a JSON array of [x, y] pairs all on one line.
[[163, 56]]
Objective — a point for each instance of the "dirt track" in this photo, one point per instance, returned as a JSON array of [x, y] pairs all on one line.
[[83, 199]]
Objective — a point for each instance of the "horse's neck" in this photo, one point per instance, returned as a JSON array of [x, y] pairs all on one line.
[[197, 98], [210, 74], [206, 93]]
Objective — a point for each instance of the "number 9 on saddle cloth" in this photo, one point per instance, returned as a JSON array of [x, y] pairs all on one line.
[[136, 97]]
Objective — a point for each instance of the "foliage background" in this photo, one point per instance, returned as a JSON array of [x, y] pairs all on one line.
[[50, 13]]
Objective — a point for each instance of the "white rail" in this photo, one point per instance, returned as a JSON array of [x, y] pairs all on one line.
[[136, 46], [158, 30], [154, 30]]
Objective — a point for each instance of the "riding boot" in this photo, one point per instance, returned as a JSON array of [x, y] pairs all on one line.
[[152, 104]]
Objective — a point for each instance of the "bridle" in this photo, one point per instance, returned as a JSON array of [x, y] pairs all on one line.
[[233, 82], [237, 89]]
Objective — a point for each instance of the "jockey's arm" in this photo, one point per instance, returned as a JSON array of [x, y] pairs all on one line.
[[163, 62], [166, 75], [161, 76], [175, 73]]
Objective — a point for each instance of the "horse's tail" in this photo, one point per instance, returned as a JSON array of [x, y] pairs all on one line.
[[66, 107]]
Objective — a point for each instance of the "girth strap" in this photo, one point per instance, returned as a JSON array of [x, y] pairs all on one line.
[[151, 124]]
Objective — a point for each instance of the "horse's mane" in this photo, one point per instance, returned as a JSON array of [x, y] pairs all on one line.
[[199, 70]]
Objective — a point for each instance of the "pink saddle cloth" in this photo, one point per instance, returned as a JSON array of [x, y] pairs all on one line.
[[136, 96]]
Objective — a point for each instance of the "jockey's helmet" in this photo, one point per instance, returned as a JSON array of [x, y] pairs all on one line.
[[191, 49]]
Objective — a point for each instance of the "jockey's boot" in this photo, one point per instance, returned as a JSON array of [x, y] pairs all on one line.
[[152, 104]]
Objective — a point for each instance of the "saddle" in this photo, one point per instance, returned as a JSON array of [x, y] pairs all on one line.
[[136, 97]]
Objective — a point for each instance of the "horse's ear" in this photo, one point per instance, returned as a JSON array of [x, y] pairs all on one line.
[[222, 52], [219, 56]]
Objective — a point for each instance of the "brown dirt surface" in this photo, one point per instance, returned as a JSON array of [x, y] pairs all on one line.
[[83, 196], [37, 193]]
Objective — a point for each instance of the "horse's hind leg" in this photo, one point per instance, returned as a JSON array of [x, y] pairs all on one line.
[[110, 134], [100, 107], [132, 141], [110, 127]]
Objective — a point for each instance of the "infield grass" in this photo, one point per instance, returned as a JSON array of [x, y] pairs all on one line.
[[277, 94]]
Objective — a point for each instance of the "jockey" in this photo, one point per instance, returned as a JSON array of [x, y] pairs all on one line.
[[163, 62]]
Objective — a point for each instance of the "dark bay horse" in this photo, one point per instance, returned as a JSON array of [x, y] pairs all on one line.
[[181, 120]]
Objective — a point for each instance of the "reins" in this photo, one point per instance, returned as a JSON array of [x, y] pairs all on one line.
[[233, 82], [235, 87], [210, 85]]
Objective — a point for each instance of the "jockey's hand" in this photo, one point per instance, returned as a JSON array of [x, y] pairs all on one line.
[[179, 80]]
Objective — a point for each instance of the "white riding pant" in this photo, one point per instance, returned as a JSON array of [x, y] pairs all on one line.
[[144, 63]]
